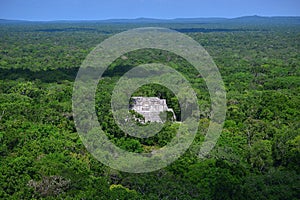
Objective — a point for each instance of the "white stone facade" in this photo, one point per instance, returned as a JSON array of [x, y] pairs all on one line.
[[150, 108]]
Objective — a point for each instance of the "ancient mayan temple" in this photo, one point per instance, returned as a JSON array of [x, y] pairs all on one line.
[[150, 108]]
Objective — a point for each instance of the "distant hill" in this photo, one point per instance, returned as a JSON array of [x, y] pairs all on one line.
[[8, 21], [265, 20], [245, 19], [177, 20]]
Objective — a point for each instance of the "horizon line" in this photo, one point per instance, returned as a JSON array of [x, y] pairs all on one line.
[[150, 18]]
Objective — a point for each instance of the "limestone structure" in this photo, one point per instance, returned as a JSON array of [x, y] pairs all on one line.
[[150, 108]]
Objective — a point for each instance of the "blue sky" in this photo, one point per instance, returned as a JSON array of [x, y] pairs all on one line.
[[107, 9]]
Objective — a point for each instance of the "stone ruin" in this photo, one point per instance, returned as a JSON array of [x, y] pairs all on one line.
[[150, 108]]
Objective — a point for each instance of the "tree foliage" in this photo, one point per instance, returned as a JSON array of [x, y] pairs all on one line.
[[256, 157]]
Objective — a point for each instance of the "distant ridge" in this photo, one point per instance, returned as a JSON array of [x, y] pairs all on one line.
[[9, 21], [176, 20], [244, 19], [264, 20]]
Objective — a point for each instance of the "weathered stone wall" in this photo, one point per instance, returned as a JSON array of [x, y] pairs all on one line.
[[150, 107]]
